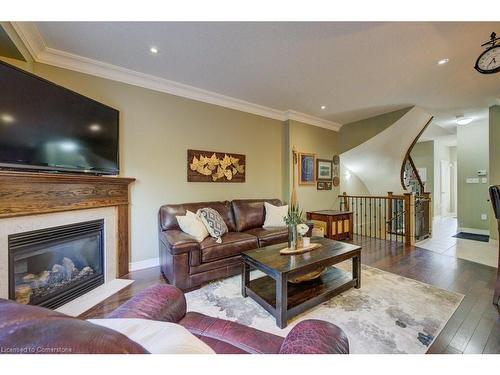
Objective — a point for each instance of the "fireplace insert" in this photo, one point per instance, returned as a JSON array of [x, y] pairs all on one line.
[[50, 267]]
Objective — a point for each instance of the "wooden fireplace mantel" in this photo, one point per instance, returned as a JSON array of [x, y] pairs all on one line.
[[28, 193]]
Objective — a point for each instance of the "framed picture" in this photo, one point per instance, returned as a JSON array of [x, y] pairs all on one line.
[[324, 169], [324, 185], [307, 169], [212, 166]]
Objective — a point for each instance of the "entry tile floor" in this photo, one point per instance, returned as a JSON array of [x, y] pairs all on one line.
[[443, 242]]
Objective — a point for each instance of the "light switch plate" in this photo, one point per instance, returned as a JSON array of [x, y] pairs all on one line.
[[484, 217], [473, 180]]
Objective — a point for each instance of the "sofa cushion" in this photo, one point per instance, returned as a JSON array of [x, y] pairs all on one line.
[[269, 236], [227, 337], [233, 243], [213, 221], [250, 213], [192, 225], [275, 215], [157, 337], [168, 213]]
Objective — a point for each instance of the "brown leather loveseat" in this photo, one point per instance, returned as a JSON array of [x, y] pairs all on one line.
[[187, 264]]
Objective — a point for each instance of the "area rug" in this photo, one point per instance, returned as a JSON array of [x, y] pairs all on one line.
[[472, 236], [389, 314]]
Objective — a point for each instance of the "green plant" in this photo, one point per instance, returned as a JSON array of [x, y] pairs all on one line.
[[294, 216]]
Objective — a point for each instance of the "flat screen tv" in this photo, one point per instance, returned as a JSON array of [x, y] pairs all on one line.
[[44, 126]]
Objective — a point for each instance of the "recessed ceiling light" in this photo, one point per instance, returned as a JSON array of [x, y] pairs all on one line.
[[323, 107], [6, 118], [461, 120], [95, 127], [153, 50], [443, 61]]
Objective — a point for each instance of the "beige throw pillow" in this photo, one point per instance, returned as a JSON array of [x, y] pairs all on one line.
[[192, 225], [157, 337], [275, 215]]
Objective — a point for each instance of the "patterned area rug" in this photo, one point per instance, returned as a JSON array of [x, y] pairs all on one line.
[[389, 314]]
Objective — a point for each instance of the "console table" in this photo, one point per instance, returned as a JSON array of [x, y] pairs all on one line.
[[339, 224]]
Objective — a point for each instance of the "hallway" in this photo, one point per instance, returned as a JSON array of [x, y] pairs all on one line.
[[443, 242]]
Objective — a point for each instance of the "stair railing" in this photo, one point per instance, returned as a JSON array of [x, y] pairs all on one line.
[[388, 217]]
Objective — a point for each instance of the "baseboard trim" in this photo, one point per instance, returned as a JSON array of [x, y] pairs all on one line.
[[142, 264], [474, 230]]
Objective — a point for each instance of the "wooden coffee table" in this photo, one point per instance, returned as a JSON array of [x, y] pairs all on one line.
[[284, 300]]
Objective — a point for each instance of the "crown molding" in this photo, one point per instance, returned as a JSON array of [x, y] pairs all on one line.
[[41, 53], [311, 120]]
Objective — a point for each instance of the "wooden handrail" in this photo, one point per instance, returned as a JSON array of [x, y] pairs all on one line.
[[409, 151], [393, 196]]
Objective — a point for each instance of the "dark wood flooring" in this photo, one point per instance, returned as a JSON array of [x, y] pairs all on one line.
[[473, 328]]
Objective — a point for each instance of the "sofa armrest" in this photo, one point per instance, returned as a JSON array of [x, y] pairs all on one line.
[[162, 302], [315, 337], [178, 242]]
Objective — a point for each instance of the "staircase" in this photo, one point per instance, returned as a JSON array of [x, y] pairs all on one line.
[[383, 164]]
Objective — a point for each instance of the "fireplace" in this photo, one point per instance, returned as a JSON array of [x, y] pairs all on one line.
[[50, 267]]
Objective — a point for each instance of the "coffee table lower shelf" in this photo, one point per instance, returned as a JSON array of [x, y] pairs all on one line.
[[299, 297]]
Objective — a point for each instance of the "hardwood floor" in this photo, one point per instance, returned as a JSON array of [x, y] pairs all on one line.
[[473, 328]]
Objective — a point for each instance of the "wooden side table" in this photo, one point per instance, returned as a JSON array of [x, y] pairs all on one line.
[[339, 224]]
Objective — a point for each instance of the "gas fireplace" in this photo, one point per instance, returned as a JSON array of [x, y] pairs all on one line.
[[50, 267]]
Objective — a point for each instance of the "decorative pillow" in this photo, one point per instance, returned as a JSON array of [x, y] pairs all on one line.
[[275, 215], [192, 225], [214, 223], [157, 337]]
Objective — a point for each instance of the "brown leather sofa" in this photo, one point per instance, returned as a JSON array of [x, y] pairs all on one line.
[[188, 264], [36, 330]]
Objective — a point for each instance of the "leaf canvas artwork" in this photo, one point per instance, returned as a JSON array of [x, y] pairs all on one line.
[[211, 166]]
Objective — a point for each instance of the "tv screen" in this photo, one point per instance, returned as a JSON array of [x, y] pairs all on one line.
[[44, 126]]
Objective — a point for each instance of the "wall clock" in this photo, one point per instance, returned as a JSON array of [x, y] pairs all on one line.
[[489, 61]]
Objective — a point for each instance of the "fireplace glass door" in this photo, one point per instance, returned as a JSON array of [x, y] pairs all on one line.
[[50, 267]]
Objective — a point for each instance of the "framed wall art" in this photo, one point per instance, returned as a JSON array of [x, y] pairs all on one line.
[[211, 166], [307, 169], [324, 185], [324, 169]]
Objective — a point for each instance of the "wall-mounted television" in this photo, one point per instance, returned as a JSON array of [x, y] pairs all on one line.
[[44, 126]]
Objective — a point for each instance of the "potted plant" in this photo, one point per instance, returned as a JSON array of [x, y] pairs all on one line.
[[292, 220]]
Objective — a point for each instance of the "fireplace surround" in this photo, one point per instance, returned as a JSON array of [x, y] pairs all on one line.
[[52, 266], [38, 201]]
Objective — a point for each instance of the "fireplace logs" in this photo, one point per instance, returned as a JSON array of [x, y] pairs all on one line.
[[46, 282]]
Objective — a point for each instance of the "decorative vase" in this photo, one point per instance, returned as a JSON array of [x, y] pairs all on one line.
[[293, 237]]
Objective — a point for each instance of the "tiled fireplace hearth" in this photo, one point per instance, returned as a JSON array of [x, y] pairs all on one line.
[[61, 235]]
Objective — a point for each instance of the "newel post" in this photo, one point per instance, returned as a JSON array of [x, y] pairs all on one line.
[[346, 201], [409, 219]]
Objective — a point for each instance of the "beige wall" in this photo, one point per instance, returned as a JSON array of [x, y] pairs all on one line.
[[323, 143], [156, 129], [472, 155], [355, 133], [494, 155]]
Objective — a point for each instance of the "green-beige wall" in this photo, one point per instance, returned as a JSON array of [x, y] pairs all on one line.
[[494, 151], [472, 155], [319, 141], [355, 133], [156, 129]]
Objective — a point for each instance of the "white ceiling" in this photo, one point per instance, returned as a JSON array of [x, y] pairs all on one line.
[[355, 69]]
